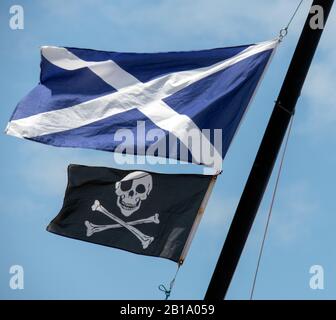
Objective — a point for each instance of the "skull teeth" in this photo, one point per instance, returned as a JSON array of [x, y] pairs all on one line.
[[129, 206]]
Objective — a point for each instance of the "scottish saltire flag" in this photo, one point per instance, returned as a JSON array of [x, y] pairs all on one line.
[[88, 98]]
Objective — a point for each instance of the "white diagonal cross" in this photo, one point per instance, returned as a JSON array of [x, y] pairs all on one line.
[[131, 93]]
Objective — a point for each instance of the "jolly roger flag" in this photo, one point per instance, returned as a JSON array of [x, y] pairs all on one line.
[[142, 212]]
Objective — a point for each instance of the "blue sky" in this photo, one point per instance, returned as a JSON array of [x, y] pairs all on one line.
[[33, 176]]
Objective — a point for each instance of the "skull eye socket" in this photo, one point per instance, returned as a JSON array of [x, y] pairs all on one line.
[[126, 185], [140, 188]]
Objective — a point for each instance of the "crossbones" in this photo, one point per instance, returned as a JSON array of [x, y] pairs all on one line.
[[93, 228], [144, 239]]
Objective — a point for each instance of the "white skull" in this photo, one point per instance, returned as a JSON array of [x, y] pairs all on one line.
[[131, 190]]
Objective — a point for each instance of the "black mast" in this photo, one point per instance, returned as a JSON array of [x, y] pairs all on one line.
[[267, 154]]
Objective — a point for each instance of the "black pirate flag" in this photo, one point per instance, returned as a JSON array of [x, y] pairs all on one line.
[[139, 211]]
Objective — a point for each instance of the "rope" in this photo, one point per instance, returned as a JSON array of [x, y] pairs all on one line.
[[294, 14], [284, 31], [166, 291], [271, 209]]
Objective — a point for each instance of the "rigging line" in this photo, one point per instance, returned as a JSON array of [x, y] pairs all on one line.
[[294, 14], [271, 208], [284, 31]]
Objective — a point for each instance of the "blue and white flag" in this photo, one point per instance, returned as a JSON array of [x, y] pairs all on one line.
[[89, 98]]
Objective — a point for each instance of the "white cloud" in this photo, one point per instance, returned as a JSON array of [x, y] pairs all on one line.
[[321, 97], [214, 19], [181, 22], [319, 91], [44, 172], [68, 8], [219, 212]]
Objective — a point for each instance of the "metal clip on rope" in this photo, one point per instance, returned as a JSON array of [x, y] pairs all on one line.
[[283, 33]]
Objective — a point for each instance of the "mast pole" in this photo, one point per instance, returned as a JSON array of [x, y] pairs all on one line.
[[267, 154]]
